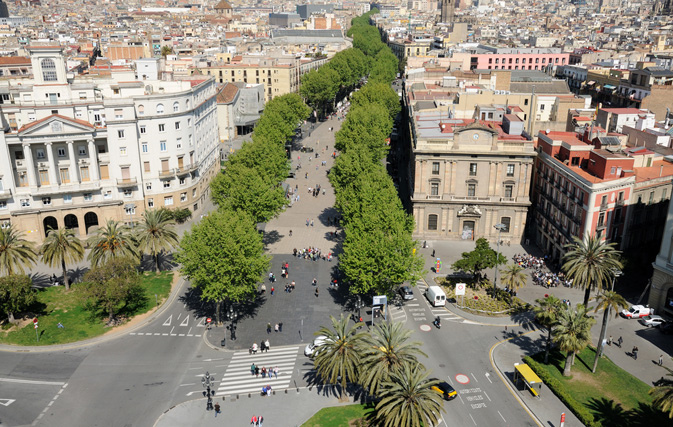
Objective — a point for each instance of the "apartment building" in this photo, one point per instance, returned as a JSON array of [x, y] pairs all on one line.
[[469, 175], [594, 185], [79, 151], [279, 75]]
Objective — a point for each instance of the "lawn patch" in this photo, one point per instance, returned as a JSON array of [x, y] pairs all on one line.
[[55, 306], [610, 392], [340, 416]]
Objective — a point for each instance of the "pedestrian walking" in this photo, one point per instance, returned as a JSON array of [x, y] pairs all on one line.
[[261, 420], [433, 253], [316, 292], [276, 327], [268, 328], [253, 421], [275, 372], [314, 282], [257, 371], [610, 340], [619, 342], [252, 369], [634, 352], [217, 409], [308, 222], [311, 223], [661, 359], [263, 372], [290, 233], [267, 345], [272, 289]]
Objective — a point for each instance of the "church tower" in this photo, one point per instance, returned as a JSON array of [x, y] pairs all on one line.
[[447, 11]]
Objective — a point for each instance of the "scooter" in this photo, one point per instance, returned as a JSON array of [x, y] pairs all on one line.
[[437, 322]]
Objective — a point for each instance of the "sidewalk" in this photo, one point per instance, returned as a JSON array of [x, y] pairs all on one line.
[[279, 410]]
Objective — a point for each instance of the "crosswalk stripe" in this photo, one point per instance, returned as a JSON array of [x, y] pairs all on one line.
[[238, 379]]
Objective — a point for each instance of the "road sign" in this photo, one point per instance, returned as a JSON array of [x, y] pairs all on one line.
[[35, 320], [35, 325], [208, 320], [460, 289]]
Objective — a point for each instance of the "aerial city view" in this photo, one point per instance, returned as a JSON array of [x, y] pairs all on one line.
[[325, 214]]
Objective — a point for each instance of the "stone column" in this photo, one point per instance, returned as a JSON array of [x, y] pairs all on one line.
[[454, 165], [93, 160], [53, 176], [30, 165], [74, 173]]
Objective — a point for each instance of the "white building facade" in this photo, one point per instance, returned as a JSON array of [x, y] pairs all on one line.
[[75, 152]]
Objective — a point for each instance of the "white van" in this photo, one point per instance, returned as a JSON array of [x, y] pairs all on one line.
[[436, 296], [313, 347]]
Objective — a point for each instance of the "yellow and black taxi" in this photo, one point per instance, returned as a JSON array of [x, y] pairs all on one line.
[[445, 389]]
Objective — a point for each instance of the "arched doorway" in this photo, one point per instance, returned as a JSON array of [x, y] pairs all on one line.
[[468, 230], [49, 223], [90, 220], [71, 221]]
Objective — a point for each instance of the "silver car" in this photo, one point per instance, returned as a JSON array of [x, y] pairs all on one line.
[[651, 320], [406, 292]]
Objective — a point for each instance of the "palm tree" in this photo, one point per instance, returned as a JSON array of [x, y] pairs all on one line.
[[339, 357], [609, 300], [663, 394], [15, 251], [110, 241], [407, 399], [166, 50], [590, 263], [572, 333], [513, 276], [386, 351], [546, 312], [155, 233], [61, 246]]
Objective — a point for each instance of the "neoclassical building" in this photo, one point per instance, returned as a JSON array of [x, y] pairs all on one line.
[[76, 151], [468, 176], [661, 292]]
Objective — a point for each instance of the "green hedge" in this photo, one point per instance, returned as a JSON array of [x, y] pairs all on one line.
[[560, 391]]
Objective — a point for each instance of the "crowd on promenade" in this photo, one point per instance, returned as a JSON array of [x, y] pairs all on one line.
[[541, 274]]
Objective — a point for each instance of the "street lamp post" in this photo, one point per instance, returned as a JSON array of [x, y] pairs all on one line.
[[208, 381], [615, 275], [500, 226], [232, 315], [359, 304]]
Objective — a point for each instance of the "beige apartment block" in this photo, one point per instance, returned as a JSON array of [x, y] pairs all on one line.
[[469, 176], [75, 152], [278, 75]]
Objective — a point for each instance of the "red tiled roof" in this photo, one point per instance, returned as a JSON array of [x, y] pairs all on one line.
[[14, 60]]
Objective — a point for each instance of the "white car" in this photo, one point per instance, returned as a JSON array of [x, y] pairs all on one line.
[[313, 347], [637, 311], [652, 321]]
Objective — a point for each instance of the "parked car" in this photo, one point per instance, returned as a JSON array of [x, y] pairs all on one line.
[[651, 321], [445, 389], [406, 292], [313, 347], [636, 312], [666, 328]]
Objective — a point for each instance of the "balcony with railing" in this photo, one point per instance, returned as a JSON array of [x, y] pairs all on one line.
[[604, 207], [5, 194], [127, 182]]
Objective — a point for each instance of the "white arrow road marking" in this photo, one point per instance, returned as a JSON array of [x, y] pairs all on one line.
[[168, 321], [185, 322], [13, 380], [7, 402], [488, 377]]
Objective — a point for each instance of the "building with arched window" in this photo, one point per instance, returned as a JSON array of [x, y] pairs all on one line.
[[76, 152], [661, 292]]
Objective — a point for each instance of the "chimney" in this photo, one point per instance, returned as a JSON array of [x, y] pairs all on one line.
[[661, 170]]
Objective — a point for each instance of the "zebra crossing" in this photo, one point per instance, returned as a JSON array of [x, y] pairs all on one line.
[[238, 379]]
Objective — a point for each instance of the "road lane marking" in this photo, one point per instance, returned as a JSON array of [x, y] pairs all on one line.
[[189, 333], [185, 322], [489, 399], [475, 378], [488, 377], [168, 321], [503, 418], [171, 332], [184, 385], [157, 333], [7, 402], [475, 423], [14, 380]]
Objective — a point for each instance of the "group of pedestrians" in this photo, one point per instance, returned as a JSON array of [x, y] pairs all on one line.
[[257, 421], [312, 254], [271, 372]]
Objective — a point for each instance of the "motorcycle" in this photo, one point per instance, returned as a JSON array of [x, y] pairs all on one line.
[[437, 322]]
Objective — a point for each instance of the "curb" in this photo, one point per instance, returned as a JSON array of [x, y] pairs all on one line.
[[8, 348], [496, 368]]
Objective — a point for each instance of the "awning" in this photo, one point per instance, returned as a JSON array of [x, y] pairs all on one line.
[[609, 87], [591, 82]]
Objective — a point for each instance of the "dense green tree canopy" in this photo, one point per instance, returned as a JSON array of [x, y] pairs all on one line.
[[384, 68], [368, 126], [16, 294], [319, 87], [112, 287], [378, 93], [481, 258], [223, 256]]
